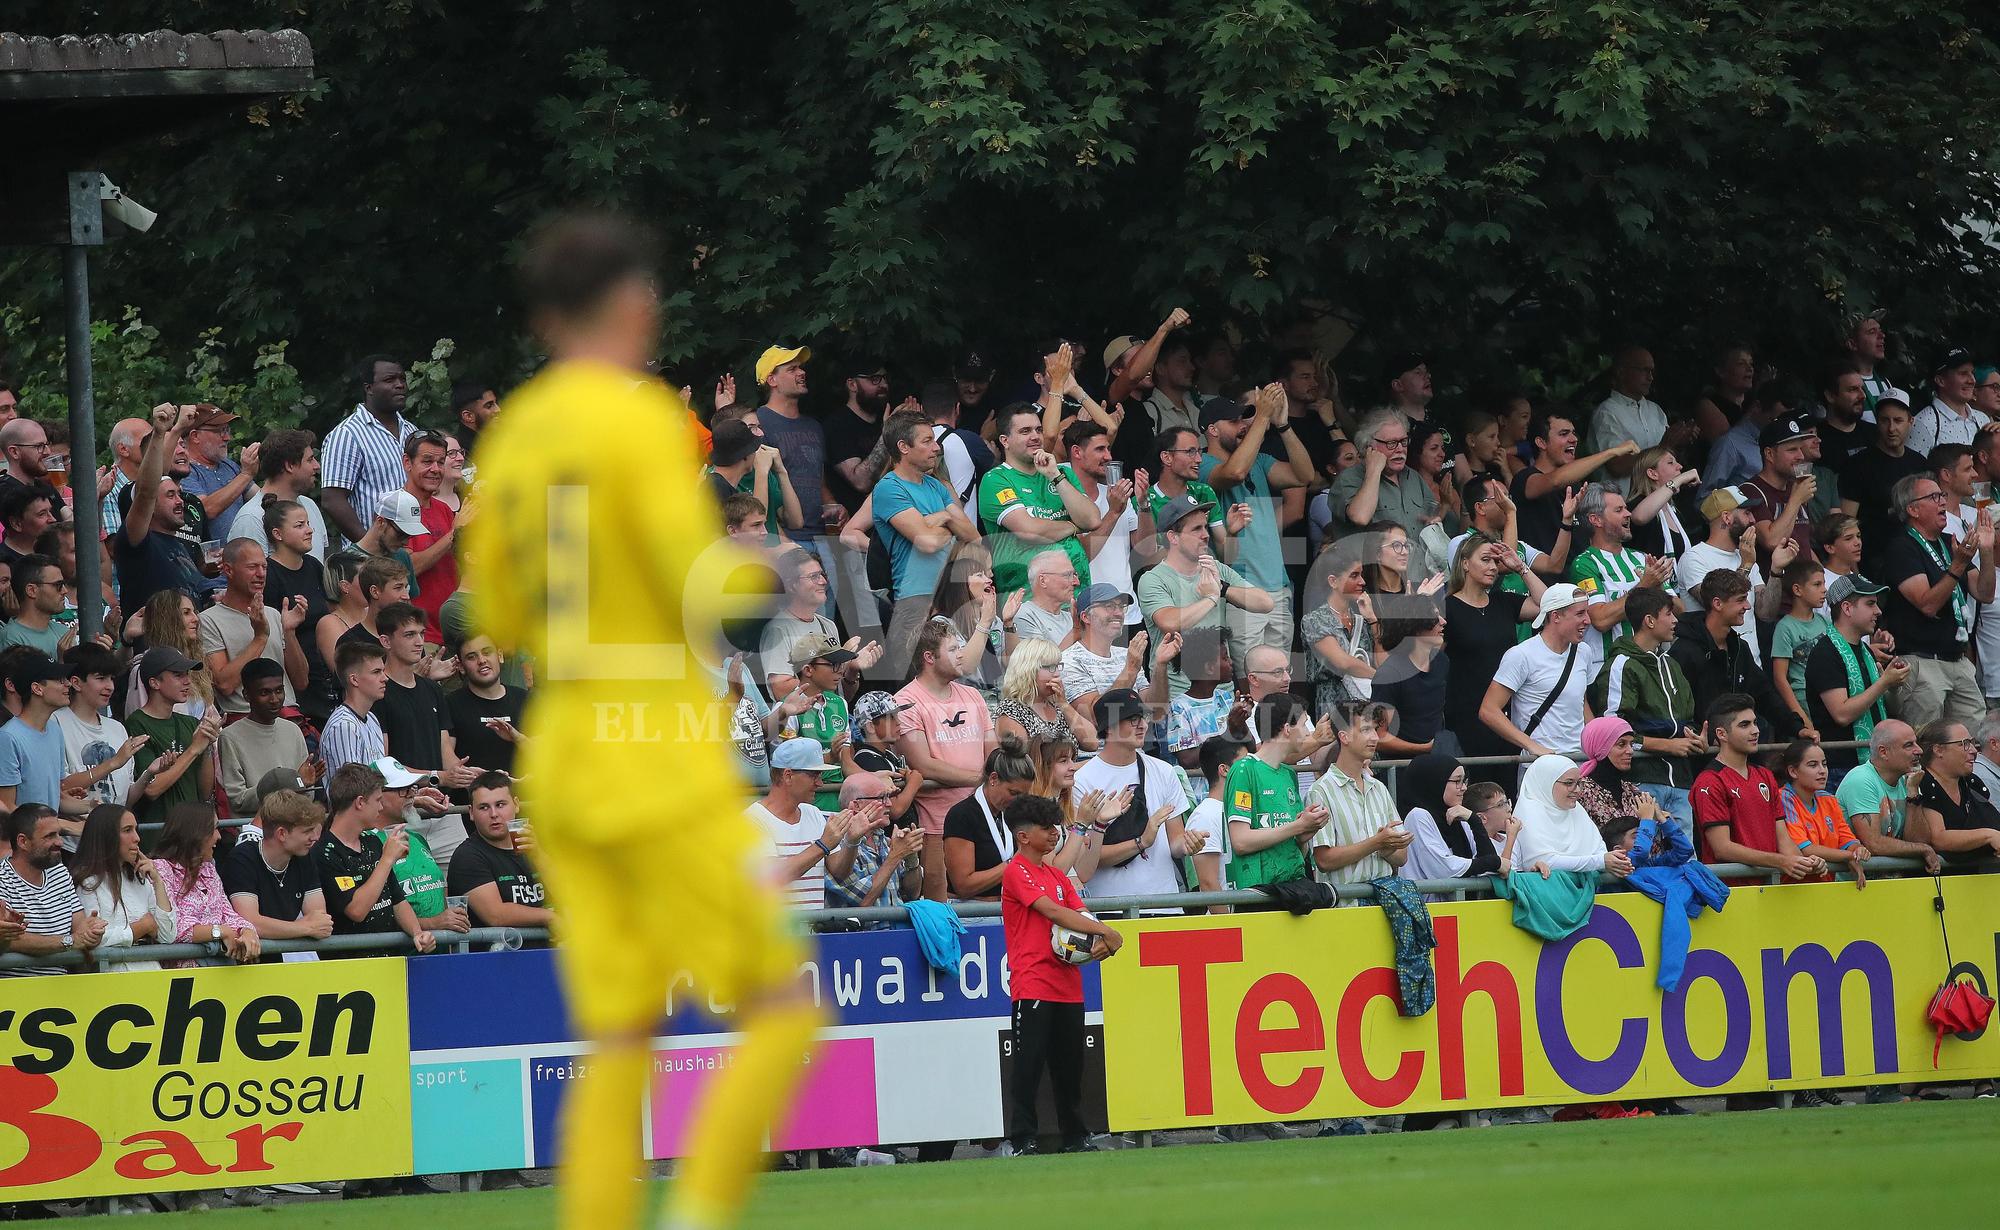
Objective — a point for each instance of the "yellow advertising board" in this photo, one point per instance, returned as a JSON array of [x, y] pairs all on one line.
[[1249, 1018], [217, 1077]]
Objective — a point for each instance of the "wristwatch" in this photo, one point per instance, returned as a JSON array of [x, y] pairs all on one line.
[[1222, 595], [215, 932], [69, 941]]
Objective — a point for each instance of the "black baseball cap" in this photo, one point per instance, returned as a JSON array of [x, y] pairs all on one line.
[[1954, 356], [1785, 430], [1116, 705]]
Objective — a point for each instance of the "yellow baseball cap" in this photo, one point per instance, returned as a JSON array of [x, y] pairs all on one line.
[[775, 357]]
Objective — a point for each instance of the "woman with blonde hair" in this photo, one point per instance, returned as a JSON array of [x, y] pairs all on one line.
[[1657, 478], [1032, 705]]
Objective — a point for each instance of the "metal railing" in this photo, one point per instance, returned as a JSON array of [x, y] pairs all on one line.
[[1107, 907]]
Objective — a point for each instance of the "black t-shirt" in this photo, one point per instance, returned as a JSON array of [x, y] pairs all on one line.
[[1417, 696], [413, 721], [721, 488], [156, 562], [1915, 632], [1538, 521], [1825, 672], [308, 581], [1475, 639], [848, 436], [1974, 810], [280, 895], [966, 820], [342, 869], [475, 740], [1867, 480], [479, 862], [1838, 446]]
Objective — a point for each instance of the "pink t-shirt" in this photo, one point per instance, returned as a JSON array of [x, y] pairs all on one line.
[[954, 730]]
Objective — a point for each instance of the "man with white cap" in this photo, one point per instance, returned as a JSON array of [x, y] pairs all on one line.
[[1536, 699], [802, 836], [398, 518], [1731, 544]]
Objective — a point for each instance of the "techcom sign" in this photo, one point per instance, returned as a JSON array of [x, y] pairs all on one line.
[[1262, 1017], [178, 1080]]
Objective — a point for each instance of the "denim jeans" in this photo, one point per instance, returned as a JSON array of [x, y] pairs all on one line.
[[1676, 802]]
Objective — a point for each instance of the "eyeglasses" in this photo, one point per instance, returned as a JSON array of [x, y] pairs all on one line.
[[1934, 495], [1965, 743], [1396, 544], [1456, 779], [1276, 672], [1189, 451], [1392, 445]]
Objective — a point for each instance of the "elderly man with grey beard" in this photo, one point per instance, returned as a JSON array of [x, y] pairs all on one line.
[[888, 867]]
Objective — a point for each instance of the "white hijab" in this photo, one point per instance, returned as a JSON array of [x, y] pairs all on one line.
[[1545, 828]]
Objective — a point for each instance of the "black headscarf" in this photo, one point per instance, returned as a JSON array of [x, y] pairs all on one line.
[[1423, 785]]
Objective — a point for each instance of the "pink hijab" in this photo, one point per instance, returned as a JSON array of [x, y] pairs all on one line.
[[1598, 736]]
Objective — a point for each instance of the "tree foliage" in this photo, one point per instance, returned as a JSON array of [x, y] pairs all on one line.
[[1509, 183]]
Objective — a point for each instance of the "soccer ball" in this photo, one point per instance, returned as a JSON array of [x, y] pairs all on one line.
[[1072, 946]]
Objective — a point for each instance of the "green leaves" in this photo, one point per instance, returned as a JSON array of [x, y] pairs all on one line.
[[1514, 182]]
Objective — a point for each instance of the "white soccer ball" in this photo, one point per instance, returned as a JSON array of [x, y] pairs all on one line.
[[1072, 946]]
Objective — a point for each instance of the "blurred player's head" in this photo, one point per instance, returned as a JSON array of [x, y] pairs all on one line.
[[588, 283]]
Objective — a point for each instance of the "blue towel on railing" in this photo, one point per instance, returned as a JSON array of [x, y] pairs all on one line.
[[1682, 886], [938, 929]]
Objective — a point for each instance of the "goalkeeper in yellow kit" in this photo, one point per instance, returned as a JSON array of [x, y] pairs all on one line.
[[594, 546]]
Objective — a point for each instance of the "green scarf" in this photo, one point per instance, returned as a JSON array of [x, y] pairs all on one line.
[[1859, 679]]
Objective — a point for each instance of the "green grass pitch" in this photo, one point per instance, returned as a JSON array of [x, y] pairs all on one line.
[[1909, 1165]]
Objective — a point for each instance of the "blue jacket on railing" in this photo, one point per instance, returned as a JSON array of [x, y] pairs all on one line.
[[1664, 869]]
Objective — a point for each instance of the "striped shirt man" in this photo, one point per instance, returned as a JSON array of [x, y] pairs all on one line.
[[350, 737], [49, 909], [1614, 573], [1355, 811], [362, 458]]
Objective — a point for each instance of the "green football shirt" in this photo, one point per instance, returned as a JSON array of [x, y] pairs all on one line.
[[1264, 796], [1004, 489]]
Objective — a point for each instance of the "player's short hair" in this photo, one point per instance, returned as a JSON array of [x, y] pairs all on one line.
[[574, 260]]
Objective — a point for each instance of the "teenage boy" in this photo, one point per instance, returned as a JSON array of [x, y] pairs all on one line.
[[353, 734], [188, 774], [414, 721], [1736, 803], [274, 883], [1363, 838], [1035, 899], [492, 871], [1644, 685], [1268, 828], [97, 749], [1207, 823], [357, 868], [263, 740], [31, 747]]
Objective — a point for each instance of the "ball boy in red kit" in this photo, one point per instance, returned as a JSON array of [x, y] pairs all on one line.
[[1035, 899]]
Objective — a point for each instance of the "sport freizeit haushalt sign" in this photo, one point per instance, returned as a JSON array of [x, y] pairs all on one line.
[[183, 1079], [1260, 1017]]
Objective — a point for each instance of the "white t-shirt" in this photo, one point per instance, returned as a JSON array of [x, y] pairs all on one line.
[[807, 892], [958, 473], [1207, 818], [1705, 557], [1155, 870], [1530, 670], [1112, 565], [249, 523], [86, 747], [1084, 672]]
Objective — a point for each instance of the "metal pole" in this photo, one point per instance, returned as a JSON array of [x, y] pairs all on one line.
[[86, 229]]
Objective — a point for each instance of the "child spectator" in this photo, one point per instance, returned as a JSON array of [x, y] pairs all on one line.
[[1803, 584], [1814, 820], [1035, 899], [263, 740], [1210, 862]]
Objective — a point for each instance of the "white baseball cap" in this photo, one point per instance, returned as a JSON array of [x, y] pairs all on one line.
[[400, 509], [1559, 597]]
